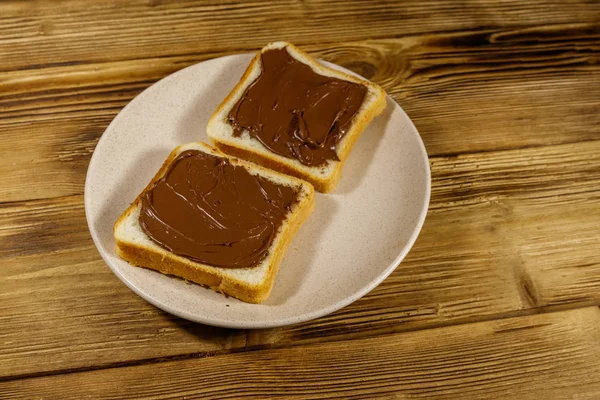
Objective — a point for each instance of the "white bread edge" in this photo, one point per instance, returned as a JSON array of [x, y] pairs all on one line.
[[252, 285], [324, 178]]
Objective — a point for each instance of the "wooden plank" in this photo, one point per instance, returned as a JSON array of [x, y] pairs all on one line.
[[458, 89], [507, 231], [76, 31], [553, 355]]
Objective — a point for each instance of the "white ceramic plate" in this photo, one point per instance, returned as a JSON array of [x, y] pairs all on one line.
[[354, 239]]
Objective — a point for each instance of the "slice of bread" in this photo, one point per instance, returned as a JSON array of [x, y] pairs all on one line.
[[323, 177], [253, 284]]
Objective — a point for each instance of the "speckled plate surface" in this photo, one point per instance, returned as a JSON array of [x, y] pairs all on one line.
[[355, 238]]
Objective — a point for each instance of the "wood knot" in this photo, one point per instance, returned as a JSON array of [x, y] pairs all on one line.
[[362, 68]]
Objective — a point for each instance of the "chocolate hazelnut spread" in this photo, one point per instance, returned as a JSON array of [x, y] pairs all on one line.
[[211, 211], [294, 111]]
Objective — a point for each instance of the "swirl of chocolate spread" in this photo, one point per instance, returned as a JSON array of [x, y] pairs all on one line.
[[211, 211], [295, 112]]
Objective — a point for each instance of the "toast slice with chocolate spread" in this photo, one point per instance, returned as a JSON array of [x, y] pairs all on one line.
[[292, 114], [214, 220]]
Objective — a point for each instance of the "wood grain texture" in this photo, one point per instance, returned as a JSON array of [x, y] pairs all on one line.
[[507, 232], [545, 356], [506, 97], [77, 31], [457, 88]]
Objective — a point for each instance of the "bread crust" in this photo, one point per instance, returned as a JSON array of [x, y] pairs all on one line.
[[322, 181], [159, 259]]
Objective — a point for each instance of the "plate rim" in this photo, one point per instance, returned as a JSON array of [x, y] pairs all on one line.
[[275, 323]]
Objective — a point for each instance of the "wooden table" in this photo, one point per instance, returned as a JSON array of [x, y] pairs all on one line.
[[498, 298]]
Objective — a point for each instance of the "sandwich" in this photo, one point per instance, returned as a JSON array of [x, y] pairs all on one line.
[[215, 220], [294, 115]]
